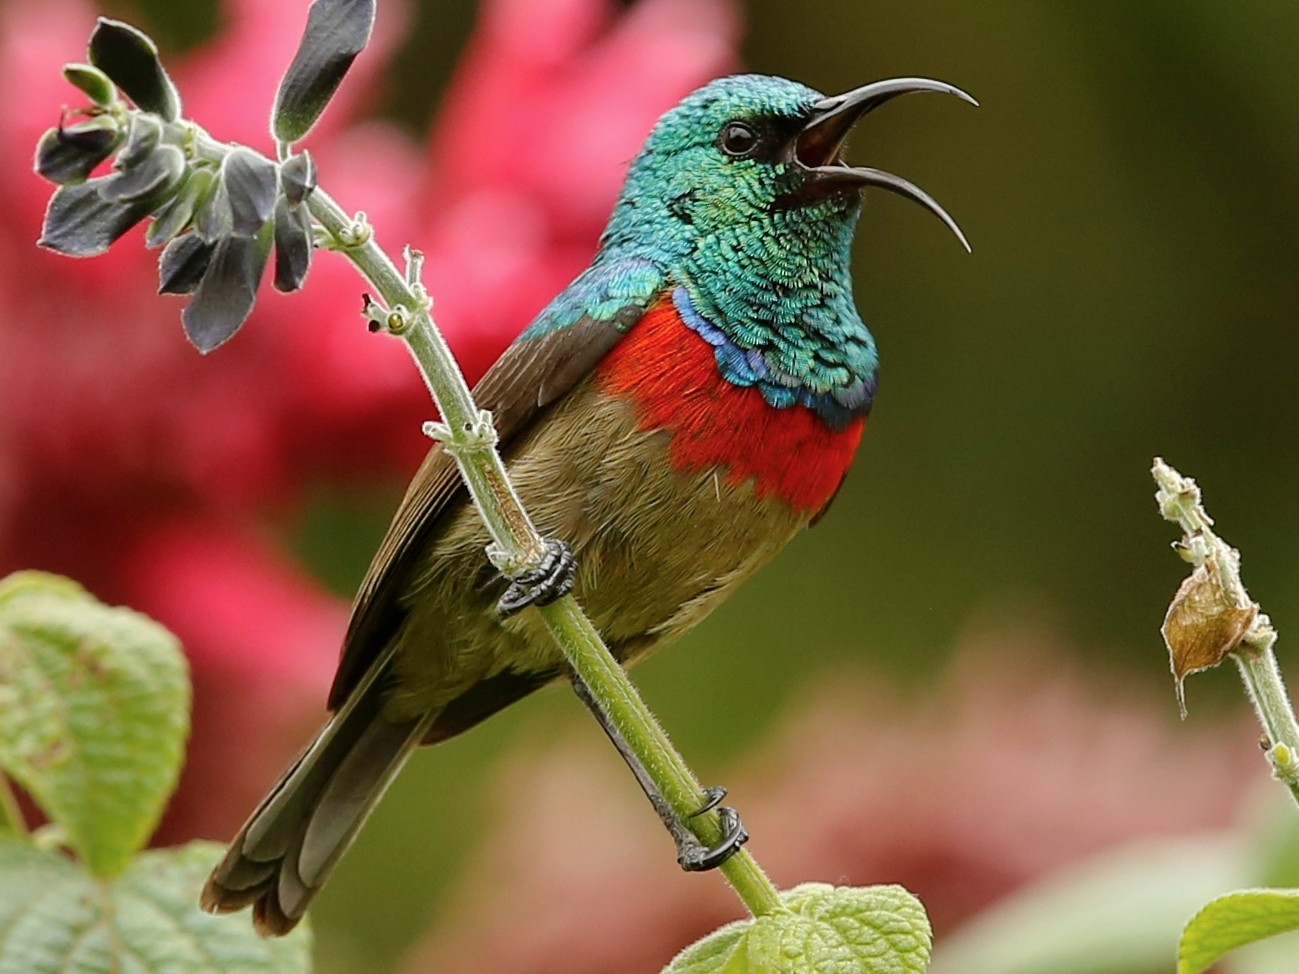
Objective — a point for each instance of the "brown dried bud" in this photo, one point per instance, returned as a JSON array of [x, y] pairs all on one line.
[[1203, 625]]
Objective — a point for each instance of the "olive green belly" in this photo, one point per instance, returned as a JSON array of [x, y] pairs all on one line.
[[656, 550]]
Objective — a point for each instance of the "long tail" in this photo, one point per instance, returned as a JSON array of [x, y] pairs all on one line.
[[290, 844]]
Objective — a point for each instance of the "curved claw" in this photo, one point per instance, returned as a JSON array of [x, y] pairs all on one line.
[[552, 579], [734, 835], [712, 798]]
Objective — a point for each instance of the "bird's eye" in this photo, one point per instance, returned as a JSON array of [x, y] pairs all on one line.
[[738, 139]]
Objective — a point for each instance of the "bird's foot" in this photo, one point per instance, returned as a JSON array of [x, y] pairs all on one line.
[[552, 579], [692, 854]]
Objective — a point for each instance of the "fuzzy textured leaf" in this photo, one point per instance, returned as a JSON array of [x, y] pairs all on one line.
[[55, 918], [337, 31], [130, 58], [1233, 921], [94, 712], [224, 297], [79, 222], [828, 930]]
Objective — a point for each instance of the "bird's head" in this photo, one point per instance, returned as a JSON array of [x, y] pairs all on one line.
[[753, 153]]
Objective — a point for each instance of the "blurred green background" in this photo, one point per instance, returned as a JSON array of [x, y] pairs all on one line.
[[1129, 189]]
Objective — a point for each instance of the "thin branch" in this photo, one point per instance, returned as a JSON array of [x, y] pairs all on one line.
[[1180, 501], [467, 434]]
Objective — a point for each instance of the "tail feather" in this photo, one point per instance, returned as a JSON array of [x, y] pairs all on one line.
[[290, 844]]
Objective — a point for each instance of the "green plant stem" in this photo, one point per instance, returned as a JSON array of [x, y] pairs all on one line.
[[1180, 501], [1262, 678], [467, 434], [609, 684], [11, 816]]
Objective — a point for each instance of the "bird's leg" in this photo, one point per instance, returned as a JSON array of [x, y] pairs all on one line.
[[692, 854], [552, 579]]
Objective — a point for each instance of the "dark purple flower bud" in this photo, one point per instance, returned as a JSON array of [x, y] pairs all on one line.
[[149, 179], [292, 245], [182, 264], [79, 222], [298, 177], [70, 155], [176, 215], [224, 297], [337, 31], [250, 184], [130, 58], [212, 217], [141, 138]]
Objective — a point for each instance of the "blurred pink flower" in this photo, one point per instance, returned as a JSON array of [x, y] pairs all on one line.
[[134, 465], [253, 626], [1015, 766]]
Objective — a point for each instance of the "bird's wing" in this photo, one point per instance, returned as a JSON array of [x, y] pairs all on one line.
[[560, 348]]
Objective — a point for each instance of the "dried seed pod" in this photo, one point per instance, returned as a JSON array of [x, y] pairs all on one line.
[[1203, 625]]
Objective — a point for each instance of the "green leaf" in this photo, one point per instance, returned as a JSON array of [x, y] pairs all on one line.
[[337, 31], [1121, 910], [828, 929], [130, 58], [55, 918], [1233, 921], [724, 951], [94, 712]]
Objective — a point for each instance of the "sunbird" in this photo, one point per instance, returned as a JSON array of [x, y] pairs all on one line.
[[689, 403]]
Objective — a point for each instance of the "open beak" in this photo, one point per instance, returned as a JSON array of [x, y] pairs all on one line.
[[816, 148]]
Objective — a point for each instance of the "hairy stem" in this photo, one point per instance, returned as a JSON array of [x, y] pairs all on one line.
[[467, 434], [1180, 501], [1262, 678]]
